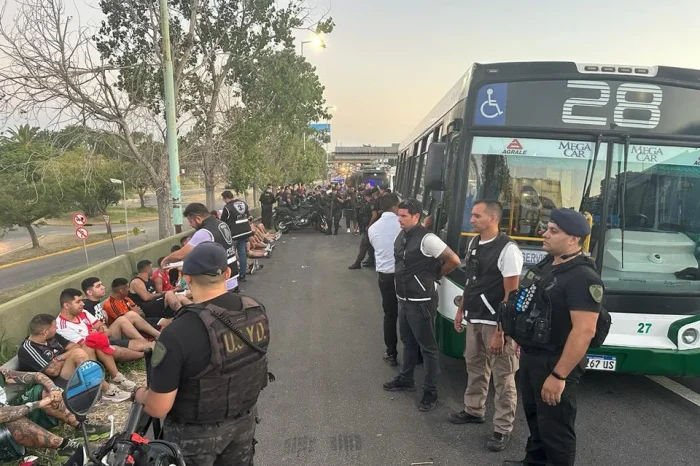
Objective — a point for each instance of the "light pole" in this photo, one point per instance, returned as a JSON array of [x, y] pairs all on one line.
[[126, 221], [317, 42], [170, 123]]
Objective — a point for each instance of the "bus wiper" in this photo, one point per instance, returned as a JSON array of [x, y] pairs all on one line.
[[624, 199], [589, 172]]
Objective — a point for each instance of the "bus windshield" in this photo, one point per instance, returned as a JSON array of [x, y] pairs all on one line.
[[653, 227]]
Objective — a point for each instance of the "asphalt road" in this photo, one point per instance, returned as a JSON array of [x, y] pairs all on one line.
[[327, 406]]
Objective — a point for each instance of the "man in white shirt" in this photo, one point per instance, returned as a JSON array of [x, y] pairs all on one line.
[[382, 235], [494, 264]]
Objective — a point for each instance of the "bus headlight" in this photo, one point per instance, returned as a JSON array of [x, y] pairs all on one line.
[[690, 336]]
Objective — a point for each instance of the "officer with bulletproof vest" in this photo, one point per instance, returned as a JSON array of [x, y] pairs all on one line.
[[554, 316], [365, 216], [209, 366], [209, 228], [421, 259], [267, 200], [236, 215]]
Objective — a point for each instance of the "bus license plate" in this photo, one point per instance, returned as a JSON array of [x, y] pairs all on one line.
[[600, 363]]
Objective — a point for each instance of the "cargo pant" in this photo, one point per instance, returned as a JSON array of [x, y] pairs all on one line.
[[227, 443], [481, 364]]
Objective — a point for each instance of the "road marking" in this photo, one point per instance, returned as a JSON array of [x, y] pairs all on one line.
[[678, 389], [60, 252]]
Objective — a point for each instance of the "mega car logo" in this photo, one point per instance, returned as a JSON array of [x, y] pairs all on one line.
[[514, 148], [573, 149], [647, 153]]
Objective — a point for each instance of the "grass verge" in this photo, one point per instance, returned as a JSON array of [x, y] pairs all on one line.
[[50, 244], [116, 216]]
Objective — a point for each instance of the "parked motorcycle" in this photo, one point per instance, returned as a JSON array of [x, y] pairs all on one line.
[[307, 214], [127, 448]]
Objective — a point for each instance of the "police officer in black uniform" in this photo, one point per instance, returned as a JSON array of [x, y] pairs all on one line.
[[209, 366], [267, 200], [209, 228], [365, 216], [235, 214], [553, 317]]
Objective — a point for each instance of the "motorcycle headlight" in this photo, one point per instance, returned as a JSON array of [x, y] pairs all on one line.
[[690, 336]]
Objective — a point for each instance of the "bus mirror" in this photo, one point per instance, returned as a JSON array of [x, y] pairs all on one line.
[[434, 167]]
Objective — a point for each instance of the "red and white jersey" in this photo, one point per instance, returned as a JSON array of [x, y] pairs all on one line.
[[76, 332]]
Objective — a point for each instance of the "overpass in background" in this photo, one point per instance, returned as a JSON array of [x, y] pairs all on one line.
[[366, 154]]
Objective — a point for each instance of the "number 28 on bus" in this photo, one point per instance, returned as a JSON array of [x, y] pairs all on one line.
[[620, 144]]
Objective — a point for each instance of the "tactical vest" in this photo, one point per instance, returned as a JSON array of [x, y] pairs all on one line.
[[222, 235], [414, 273], [527, 315], [236, 373], [484, 288], [238, 219]]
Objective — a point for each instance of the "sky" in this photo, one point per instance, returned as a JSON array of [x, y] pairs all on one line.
[[388, 62]]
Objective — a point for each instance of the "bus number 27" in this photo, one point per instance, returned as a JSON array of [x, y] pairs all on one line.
[[643, 327]]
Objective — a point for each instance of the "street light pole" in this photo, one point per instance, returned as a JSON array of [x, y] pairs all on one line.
[[170, 123], [126, 219]]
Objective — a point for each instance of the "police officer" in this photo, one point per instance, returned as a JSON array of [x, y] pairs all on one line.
[[553, 318], [493, 267], [209, 366], [421, 259], [267, 200], [236, 214], [365, 216], [209, 228]]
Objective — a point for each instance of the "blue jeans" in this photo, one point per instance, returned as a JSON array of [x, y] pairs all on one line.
[[240, 248]]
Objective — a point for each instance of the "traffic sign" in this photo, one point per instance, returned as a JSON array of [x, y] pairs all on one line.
[[79, 219], [81, 233], [106, 218]]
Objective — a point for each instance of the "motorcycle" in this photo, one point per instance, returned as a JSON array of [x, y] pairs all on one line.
[[307, 214], [127, 448]]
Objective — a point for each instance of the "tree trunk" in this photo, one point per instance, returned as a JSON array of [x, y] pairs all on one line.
[[255, 195], [209, 189], [165, 211], [142, 198], [32, 234]]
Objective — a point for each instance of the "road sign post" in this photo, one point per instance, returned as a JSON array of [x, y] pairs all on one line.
[[82, 234]]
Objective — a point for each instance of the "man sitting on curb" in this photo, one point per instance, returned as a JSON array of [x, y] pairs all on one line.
[[143, 292], [130, 325], [78, 326], [45, 351], [119, 305], [39, 408]]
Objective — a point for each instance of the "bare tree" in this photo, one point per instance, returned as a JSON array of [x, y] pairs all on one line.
[[51, 67]]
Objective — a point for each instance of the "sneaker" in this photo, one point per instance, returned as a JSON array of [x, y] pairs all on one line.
[[464, 417], [267, 254], [114, 395], [391, 360], [123, 383], [399, 384], [94, 430], [253, 267], [348, 230], [368, 264], [70, 449], [498, 441], [278, 235], [428, 402], [242, 280]]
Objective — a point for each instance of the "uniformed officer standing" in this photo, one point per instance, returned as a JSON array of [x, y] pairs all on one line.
[[365, 217], [236, 214], [209, 228], [421, 259], [493, 268], [553, 317], [267, 200], [209, 366]]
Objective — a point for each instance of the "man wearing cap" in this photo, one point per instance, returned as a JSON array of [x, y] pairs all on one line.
[[209, 228], [209, 366], [562, 295]]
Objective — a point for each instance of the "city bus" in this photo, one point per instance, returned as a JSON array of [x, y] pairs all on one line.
[[373, 177], [620, 144]]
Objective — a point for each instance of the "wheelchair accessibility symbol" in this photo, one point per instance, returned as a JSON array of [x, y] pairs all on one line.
[[490, 108], [491, 105]]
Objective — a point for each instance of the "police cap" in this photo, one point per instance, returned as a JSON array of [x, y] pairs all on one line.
[[205, 259], [571, 222]]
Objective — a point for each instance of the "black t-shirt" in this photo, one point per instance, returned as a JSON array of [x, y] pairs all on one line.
[[579, 289], [95, 308], [186, 340], [34, 357]]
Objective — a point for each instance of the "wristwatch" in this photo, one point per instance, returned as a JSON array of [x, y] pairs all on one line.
[[30, 405], [56, 388]]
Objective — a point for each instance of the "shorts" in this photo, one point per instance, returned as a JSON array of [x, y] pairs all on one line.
[[122, 342], [157, 309]]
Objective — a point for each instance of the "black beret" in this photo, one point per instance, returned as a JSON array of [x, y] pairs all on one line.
[[205, 259], [571, 222]]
